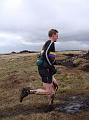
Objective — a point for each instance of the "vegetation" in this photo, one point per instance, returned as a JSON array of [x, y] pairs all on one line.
[[20, 70]]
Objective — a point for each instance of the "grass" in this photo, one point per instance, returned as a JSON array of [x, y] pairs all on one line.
[[19, 70]]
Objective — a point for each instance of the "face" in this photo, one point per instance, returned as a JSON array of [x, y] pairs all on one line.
[[55, 37]]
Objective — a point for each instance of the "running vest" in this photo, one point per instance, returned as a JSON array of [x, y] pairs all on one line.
[[48, 52]]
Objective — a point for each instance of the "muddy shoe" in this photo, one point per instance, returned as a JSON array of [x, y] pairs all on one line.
[[24, 92]]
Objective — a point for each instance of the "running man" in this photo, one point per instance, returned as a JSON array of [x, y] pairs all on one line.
[[46, 70]]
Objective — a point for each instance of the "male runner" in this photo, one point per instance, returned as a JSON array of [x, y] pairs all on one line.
[[46, 70]]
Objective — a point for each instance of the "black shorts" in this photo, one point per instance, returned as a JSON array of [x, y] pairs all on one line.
[[45, 74]]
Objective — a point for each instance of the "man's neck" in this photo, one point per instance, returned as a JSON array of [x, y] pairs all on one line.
[[51, 39]]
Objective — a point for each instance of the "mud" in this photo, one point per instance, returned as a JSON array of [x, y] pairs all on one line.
[[73, 104]]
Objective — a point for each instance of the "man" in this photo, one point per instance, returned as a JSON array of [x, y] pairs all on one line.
[[46, 70]]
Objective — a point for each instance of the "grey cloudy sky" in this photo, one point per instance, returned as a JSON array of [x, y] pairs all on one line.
[[24, 24]]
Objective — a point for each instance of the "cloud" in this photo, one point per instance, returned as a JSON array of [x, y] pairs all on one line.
[[24, 24], [70, 16], [13, 42], [31, 43], [72, 45], [9, 39]]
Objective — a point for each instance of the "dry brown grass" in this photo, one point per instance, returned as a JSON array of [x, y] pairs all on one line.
[[19, 70]]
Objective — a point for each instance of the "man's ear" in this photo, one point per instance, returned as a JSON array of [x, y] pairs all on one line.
[[52, 35]]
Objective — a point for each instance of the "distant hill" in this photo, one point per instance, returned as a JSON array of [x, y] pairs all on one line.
[[27, 51]]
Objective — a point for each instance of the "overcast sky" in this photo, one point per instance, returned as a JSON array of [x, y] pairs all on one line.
[[24, 24]]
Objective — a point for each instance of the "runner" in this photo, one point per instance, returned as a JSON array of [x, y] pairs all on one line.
[[46, 69]]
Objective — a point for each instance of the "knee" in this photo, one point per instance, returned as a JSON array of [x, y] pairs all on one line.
[[51, 92]]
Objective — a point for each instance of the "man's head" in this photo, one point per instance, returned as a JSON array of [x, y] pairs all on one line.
[[53, 35]]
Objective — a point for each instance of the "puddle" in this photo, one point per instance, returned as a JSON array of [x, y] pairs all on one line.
[[73, 105]]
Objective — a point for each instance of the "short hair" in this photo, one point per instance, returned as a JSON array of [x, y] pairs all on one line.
[[51, 32]]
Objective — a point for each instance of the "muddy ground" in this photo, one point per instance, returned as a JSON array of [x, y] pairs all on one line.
[[71, 100]]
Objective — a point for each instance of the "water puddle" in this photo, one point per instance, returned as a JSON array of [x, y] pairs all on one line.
[[73, 105]]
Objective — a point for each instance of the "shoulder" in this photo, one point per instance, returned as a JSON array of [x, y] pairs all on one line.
[[48, 42]]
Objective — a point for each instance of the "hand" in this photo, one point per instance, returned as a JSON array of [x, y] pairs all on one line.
[[55, 84]]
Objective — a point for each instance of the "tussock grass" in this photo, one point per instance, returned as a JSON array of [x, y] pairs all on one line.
[[20, 70]]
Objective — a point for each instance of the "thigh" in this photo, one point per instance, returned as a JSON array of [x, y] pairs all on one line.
[[49, 88]]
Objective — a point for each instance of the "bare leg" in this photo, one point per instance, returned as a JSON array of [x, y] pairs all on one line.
[[52, 94], [47, 90], [54, 88]]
